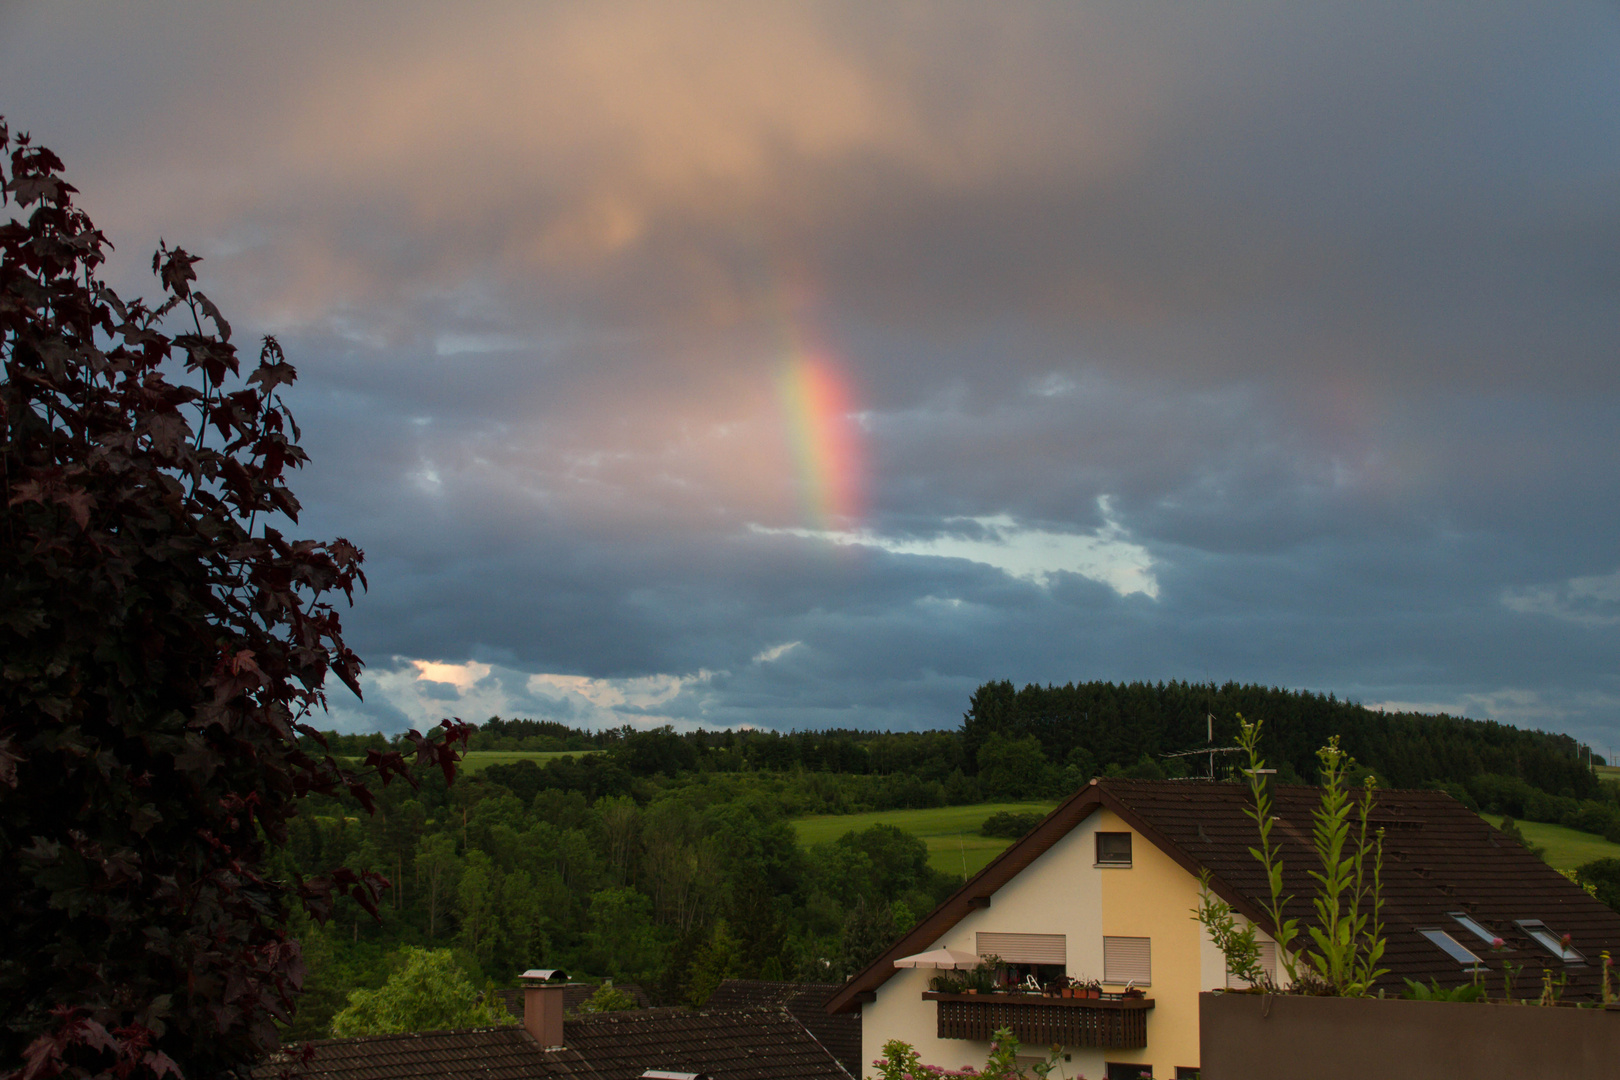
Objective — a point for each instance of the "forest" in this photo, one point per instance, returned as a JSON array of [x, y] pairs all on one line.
[[669, 859]]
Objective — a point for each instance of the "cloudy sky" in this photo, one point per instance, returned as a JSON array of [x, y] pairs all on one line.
[[808, 364]]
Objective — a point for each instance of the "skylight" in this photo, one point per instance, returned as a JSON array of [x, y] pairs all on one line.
[[1467, 922], [1553, 943], [1452, 947]]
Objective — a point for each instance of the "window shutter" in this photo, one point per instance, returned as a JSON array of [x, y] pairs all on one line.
[[1127, 960], [1025, 948], [1268, 964]]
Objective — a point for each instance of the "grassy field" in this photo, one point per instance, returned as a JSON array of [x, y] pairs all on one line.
[[478, 759], [1566, 848], [951, 832]]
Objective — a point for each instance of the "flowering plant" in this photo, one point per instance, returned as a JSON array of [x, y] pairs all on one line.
[[900, 1061]]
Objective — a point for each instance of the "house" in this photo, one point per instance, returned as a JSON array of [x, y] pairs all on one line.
[[1104, 888], [505, 1053], [805, 1002], [722, 1044]]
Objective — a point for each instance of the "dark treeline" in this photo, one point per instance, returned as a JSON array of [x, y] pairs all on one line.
[[1119, 724], [670, 859]]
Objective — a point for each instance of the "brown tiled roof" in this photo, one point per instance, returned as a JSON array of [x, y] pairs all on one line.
[[840, 1033], [738, 1044], [506, 1053], [1439, 858], [574, 995]]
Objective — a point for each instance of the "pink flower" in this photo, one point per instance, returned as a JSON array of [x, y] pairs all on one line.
[[1498, 943]]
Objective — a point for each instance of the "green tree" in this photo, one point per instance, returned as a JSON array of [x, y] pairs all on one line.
[[1603, 876], [718, 959], [898, 860], [607, 999], [428, 993], [523, 937], [477, 904], [436, 872], [621, 827], [622, 935], [1011, 769], [867, 932]]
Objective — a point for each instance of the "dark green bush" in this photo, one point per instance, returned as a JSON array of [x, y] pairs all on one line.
[[1008, 824]]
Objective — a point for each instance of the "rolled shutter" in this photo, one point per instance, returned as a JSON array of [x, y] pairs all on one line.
[[1127, 960], [1025, 948]]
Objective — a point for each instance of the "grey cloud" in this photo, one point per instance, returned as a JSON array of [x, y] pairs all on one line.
[[1325, 299]]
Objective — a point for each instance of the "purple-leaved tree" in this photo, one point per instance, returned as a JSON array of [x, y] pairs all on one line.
[[161, 643]]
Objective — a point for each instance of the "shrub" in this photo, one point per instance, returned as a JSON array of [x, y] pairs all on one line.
[[1006, 823], [428, 993]]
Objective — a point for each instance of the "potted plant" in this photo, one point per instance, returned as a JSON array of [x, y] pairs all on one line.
[[985, 978], [981, 979], [1093, 989]]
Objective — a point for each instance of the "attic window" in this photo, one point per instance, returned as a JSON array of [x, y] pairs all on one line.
[[1550, 941], [1470, 924], [1113, 849], [1451, 946]]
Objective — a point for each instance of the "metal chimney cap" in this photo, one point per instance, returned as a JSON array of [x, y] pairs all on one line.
[[545, 975]]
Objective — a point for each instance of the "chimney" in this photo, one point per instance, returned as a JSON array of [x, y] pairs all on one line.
[[543, 1005]]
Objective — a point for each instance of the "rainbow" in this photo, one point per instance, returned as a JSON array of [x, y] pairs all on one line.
[[824, 438]]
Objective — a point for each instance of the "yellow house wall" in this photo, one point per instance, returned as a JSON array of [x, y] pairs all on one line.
[[1065, 892], [1154, 899]]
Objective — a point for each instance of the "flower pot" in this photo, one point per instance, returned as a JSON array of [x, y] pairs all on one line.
[[1068, 991]]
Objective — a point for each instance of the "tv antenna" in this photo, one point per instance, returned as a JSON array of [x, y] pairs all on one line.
[[1210, 750]]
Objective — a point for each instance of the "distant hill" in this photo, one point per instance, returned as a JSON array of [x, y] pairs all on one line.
[[1118, 723]]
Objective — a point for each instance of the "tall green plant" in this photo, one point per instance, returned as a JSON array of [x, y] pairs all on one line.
[[1284, 930], [1349, 939], [1348, 932], [1238, 944]]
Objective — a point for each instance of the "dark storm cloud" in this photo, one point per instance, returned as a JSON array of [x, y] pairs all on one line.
[[1307, 317]]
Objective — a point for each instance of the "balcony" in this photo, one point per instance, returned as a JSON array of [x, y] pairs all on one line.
[[1044, 1021]]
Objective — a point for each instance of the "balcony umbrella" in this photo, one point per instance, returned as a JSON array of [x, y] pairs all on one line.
[[939, 958]]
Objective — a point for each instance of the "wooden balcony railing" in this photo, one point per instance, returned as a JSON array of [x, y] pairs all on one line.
[[1044, 1021]]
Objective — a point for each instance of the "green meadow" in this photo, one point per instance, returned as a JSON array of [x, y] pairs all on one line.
[[1566, 848], [474, 760], [955, 846], [951, 832]]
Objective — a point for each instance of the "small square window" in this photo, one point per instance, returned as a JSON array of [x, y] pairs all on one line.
[[1184, 1073], [1113, 849]]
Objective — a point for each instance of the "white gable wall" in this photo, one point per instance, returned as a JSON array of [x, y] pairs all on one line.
[[1059, 893]]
